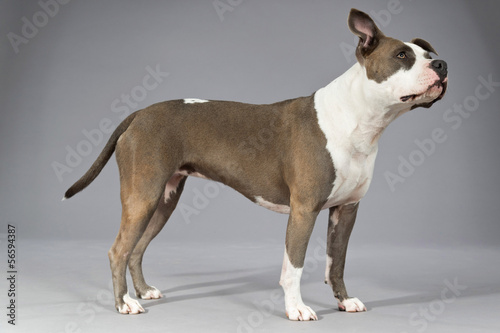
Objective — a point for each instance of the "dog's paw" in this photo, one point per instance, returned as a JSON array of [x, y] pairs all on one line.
[[301, 313], [351, 304], [130, 306], [151, 293]]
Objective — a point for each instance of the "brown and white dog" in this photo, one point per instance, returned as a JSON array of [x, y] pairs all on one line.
[[320, 155]]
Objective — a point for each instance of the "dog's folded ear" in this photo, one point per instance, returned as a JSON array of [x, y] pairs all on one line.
[[365, 28], [424, 44]]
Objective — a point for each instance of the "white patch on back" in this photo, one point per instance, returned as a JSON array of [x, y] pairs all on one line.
[[194, 100], [283, 209]]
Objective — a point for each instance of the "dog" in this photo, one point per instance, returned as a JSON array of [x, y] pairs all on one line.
[[320, 154]]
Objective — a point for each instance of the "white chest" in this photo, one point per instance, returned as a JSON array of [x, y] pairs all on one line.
[[353, 174], [351, 142]]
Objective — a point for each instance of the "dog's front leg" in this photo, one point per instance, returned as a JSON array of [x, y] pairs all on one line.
[[340, 223], [300, 226]]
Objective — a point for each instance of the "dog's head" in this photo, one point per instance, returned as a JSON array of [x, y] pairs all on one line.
[[403, 73]]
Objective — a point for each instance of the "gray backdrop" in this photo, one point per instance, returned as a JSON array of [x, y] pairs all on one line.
[[67, 69]]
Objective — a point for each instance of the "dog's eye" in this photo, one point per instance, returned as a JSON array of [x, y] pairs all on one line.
[[401, 55]]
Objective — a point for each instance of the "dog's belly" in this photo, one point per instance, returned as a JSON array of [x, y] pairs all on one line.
[[349, 187], [269, 192], [351, 184]]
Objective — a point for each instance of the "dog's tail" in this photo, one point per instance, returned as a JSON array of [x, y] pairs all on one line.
[[101, 161]]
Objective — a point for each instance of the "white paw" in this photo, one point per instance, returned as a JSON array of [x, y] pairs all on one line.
[[131, 306], [351, 304], [152, 293], [301, 312]]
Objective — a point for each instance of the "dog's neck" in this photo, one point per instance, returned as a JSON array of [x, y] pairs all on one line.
[[351, 115]]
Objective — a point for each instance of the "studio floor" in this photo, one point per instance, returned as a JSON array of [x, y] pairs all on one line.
[[65, 286]]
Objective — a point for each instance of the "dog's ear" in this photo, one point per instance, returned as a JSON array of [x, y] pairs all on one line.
[[424, 44], [365, 28]]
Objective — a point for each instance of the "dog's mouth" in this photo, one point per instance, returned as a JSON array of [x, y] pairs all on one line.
[[438, 86], [409, 97]]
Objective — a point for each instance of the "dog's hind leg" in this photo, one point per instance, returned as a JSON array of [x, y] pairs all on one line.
[[143, 176], [137, 210], [166, 206]]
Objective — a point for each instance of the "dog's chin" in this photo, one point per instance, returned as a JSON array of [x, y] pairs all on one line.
[[427, 98]]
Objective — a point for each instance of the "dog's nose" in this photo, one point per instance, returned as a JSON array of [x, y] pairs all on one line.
[[441, 67]]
